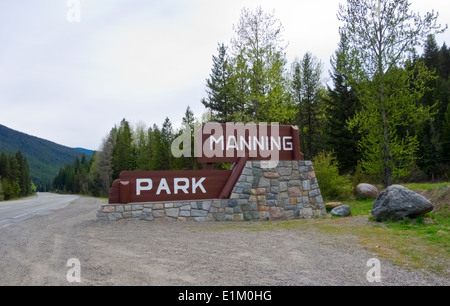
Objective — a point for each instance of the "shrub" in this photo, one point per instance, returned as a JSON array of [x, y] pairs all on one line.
[[332, 185]]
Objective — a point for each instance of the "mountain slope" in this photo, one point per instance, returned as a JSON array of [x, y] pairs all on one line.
[[44, 157]]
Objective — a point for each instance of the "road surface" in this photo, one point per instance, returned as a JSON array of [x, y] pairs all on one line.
[[41, 204], [40, 251]]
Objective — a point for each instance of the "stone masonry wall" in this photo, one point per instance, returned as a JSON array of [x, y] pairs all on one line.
[[287, 191]]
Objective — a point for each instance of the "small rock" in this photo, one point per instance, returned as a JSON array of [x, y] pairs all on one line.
[[366, 191], [332, 205], [341, 211]]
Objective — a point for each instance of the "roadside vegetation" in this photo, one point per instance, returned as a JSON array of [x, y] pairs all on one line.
[[15, 179]]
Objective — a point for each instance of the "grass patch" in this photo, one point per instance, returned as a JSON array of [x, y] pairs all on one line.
[[360, 207], [427, 186]]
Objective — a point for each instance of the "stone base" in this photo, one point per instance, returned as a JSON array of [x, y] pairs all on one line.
[[289, 190]]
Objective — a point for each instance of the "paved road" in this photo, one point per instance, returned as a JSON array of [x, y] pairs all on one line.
[[41, 204]]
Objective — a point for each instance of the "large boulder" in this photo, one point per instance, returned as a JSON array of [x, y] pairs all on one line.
[[341, 211], [364, 190], [397, 202]]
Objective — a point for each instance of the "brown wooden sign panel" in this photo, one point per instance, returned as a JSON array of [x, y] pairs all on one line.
[[156, 186], [229, 142]]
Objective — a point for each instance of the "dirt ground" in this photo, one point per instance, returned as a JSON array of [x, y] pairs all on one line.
[[36, 252]]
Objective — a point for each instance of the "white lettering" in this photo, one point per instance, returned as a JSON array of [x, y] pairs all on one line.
[[217, 138], [273, 143], [216, 141], [140, 187], [163, 186], [177, 185], [198, 184], [243, 143], [260, 144], [287, 145], [230, 146]]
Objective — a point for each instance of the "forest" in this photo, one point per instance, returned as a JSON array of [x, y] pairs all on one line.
[[383, 117], [15, 179]]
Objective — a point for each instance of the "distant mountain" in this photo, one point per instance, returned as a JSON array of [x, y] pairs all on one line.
[[85, 151], [44, 157]]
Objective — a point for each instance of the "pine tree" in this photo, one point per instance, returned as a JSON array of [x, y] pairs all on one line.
[[123, 157], [4, 166], [428, 158], [431, 54], [142, 145], [189, 120], [219, 92], [444, 69], [310, 103], [341, 105], [445, 139], [24, 175], [166, 143]]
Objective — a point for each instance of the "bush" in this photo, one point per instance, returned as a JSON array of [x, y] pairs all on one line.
[[332, 185]]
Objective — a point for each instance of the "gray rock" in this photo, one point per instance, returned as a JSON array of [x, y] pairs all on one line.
[[172, 212], [397, 202], [341, 211], [364, 190], [114, 216], [198, 213], [146, 217]]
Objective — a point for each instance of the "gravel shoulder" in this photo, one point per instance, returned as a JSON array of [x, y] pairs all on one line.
[[126, 252]]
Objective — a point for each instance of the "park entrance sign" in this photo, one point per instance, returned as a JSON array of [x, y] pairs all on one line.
[[214, 143], [269, 179]]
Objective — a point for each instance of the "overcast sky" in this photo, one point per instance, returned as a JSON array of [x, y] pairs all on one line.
[[143, 60]]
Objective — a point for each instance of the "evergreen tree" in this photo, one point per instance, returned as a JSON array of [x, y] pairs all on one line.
[[428, 158], [341, 105], [4, 166], [123, 157], [444, 70], [219, 98], [156, 161], [165, 145], [309, 103], [142, 145], [24, 175], [189, 120], [431, 54], [445, 139]]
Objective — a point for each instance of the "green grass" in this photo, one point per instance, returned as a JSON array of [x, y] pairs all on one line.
[[360, 207], [427, 186]]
